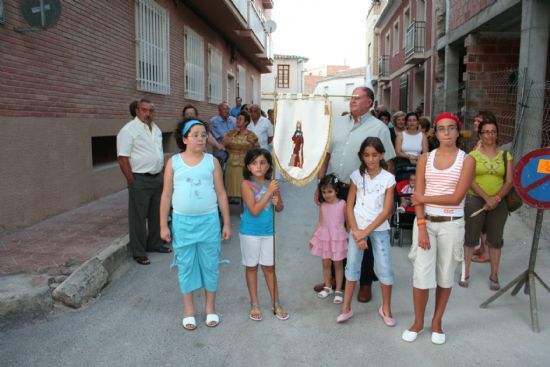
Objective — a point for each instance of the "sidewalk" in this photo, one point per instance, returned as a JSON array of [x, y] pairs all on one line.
[[35, 260], [67, 239]]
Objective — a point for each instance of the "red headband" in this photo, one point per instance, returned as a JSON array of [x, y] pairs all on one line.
[[448, 115]]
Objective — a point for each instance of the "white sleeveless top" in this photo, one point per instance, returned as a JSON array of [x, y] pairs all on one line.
[[443, 182], [411, 144]]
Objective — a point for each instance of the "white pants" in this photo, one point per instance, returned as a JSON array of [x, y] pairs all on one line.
[[437, 265]]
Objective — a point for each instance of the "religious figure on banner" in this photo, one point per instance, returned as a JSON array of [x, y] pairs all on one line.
[[297, 157]]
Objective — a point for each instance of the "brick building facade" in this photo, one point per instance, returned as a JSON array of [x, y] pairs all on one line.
[[405, 40], [464, 56], [66, 89], [478, 53]]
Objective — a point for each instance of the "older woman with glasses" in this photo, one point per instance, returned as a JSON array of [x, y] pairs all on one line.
[[493, 180]]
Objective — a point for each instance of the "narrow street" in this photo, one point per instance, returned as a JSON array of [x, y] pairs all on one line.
[[137, 319]]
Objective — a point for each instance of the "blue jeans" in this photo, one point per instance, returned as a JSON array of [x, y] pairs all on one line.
[[383, 268]]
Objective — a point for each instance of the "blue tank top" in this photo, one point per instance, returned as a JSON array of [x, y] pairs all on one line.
[[194, 192], [261, 224]]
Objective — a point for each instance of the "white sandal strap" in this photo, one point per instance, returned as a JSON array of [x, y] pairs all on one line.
[[190, 320], [212, 317]]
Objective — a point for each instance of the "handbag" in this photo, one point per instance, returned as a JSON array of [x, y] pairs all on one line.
[[513, 201]]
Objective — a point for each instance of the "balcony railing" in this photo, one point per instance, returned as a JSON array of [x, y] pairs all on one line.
[[256, 22], [415, 42], [269, 47], [254, 18], [242, 6], [384, 67]]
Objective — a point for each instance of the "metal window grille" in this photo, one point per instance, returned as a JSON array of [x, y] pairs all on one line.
[[242, 82], [415, 38], [283, 76], [194, 65], [152, 47], [215, 77]]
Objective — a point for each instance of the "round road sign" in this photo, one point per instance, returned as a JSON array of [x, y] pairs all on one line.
[[532, 178]]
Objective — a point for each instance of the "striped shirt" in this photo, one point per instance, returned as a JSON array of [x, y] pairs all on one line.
[[443, 182]]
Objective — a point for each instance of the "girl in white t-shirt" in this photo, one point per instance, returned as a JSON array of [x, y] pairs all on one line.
[[369, 205]]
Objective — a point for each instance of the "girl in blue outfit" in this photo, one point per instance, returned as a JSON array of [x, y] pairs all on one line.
[[369, 205], [193, 186], [260, 195]]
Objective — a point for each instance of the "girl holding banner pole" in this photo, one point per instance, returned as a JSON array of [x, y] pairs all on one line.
[[261, 196]]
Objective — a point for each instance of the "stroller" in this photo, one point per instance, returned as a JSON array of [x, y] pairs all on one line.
[[402, 217]]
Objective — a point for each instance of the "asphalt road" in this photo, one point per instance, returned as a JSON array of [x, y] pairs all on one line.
[[137, 319]]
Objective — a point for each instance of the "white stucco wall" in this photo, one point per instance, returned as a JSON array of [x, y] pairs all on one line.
[[344, 85], [296, 80]]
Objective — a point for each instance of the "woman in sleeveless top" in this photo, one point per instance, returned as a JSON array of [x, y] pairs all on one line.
[[411, 142], [442, 178]]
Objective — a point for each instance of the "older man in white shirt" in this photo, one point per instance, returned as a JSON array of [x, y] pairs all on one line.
[[141, 159], [260, 126]]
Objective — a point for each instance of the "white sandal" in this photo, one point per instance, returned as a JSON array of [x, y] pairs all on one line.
[[190, 320], [212, 320], [327, 291], [338, 297]]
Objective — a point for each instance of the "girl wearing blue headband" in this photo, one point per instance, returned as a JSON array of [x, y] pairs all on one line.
[[193, 187]]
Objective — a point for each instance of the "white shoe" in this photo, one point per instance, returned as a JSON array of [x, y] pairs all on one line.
[[410, 336], [438, 338], [325, 292]]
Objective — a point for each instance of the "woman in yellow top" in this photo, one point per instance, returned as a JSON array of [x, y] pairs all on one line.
[[237, 143], [487, 192]]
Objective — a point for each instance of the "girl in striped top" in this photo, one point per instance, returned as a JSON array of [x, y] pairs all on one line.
[[442, 178]]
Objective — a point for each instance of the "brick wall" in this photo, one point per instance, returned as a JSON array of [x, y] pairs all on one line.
[[491, 71], [462, 10], [72, 82], [84, 67], [310, 82]]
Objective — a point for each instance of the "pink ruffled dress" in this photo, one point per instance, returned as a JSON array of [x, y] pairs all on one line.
[[330, 240]]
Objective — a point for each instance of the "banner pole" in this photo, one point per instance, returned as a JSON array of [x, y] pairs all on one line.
[[306, 96], [275, 289]]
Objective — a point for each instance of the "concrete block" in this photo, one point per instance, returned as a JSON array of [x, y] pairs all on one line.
[[24, 294], [83, 284], [114, 255]]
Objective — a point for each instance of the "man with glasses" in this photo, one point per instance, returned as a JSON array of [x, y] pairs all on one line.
[[348, 132], [141, 159]]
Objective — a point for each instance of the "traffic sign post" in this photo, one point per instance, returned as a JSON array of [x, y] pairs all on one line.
[[532, 182]]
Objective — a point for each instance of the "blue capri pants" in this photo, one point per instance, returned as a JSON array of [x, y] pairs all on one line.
[[380, 241], [197, 242]]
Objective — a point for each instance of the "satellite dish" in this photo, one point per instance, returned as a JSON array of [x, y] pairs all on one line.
[[40, 13], [270, 26]]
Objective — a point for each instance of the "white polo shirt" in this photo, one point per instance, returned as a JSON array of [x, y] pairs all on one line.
[[263, 129], [142, 145]]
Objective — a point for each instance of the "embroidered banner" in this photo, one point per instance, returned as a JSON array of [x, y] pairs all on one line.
[[301, 137]]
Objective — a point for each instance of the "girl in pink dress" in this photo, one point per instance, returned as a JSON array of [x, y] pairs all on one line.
[[330, 240]]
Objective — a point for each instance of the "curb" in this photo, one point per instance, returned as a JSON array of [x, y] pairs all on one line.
[[23, 295]]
